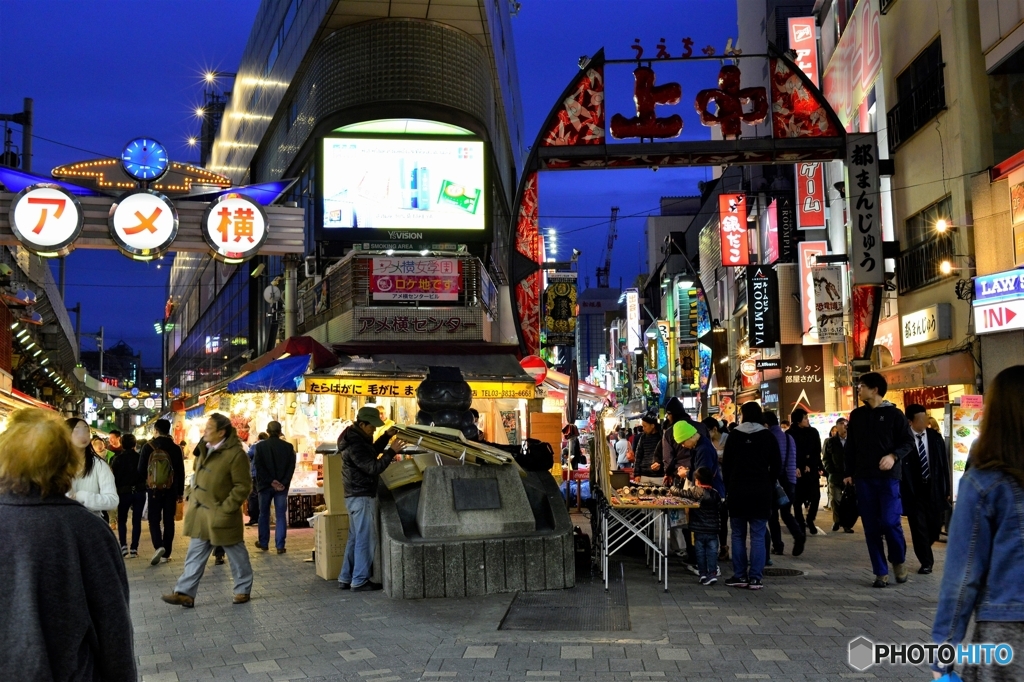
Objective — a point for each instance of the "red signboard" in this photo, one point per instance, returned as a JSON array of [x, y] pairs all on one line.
[[810, 177], [855, 63], [802, 41], [770, 243], [732, 217]]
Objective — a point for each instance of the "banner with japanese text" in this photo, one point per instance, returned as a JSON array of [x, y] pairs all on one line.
[[864, 201], [732, 216], [415, 279], [810, 176], [803, 378], [828, 303], [762, 306]]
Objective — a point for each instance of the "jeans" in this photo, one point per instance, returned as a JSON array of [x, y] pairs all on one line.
[[281, 509], [195, 564], [134, 502], [739, 547], [880, 507], [254, 503], [162, 505], [706, 545], [357, 566]]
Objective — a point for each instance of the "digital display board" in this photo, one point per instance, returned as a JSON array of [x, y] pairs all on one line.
[[372, 183]]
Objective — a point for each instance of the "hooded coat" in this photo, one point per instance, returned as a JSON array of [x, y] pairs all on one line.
[[363, 461], [675, 455], [221, 484], [750, 467]]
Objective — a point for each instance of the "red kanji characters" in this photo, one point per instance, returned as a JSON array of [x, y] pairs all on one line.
[[730, 99], [241, 218], [647, 95]]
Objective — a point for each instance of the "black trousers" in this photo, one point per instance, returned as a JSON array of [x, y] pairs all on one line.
[[254, 503], [133, 502], [162, 505], [924, 526], [810, 494]]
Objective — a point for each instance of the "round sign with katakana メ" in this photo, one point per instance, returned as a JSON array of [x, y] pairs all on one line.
[[118, 403], [143, 223], [133, 403], [46, 219], [235, 227]]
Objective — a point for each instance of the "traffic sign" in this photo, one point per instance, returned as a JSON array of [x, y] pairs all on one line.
[[999, 317], [535, 367]]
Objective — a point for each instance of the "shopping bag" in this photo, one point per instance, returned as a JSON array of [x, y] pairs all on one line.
[[179, 511], [781, 499], [848, 507]]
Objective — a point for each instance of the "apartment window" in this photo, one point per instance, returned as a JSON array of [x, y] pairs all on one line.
[[921, 264], [920, 95]]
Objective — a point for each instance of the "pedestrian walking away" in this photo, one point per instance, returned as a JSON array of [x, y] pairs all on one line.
[[985, 554], [787, 479], [275, 464], [925, 487], [835, 448], [363, 461], [94, 486], [253, 503], [64, 609], [877, 440], [131, 494], [808, 469], [750, 467], [214, 518], [162, 465]]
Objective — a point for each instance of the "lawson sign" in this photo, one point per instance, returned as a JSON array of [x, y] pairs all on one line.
[[1002, 286], [999, 302]]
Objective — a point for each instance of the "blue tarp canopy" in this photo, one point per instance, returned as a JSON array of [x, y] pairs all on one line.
[[280, 375]]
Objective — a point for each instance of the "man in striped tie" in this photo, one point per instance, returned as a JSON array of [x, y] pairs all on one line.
[[925, 486]]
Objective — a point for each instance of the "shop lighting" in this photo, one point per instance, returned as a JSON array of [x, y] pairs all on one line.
[[200, 112], [425, 252], [30, 346], [685, 283], [941, 225], [14, 325], [638, 351], [23, 332], [390, 252], [39, 351], [192, 141], [44, 361], [723, 361], [945, 267]]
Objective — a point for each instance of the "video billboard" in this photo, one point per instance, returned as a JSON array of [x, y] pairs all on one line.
[[400, 184]]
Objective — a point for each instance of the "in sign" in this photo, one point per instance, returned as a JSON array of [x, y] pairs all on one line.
[[999, 317], [143, 224], [46, 219], [235, 227]]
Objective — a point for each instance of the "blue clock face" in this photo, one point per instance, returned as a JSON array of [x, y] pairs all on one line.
[[144, 159]]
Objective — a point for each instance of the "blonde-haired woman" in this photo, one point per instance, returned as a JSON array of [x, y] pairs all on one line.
[[94, 486], [985, 552], [65, 596]]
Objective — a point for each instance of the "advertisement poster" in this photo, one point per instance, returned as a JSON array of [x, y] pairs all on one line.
[[732, 217], [828, 303], [803, 378], [510, 423], [966, 428], [822, 422], [560, 312], [808, 253], [415, 279], [403, 184]]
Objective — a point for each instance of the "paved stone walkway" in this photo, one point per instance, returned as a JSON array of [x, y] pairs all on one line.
[[298, 626]]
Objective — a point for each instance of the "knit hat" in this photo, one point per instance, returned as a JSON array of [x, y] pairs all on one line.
[[683, 431], [649, 419], [675, 408]]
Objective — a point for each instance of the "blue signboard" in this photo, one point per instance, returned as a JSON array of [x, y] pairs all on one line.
[[1002, 286]]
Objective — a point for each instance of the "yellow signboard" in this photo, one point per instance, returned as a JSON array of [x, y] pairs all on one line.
[[406, 388]]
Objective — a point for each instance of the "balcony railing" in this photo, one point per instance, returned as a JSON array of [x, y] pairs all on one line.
[[912, 113], [920, 265]]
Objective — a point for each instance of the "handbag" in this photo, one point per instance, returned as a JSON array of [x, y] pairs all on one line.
[[781, 498], [848, 512]]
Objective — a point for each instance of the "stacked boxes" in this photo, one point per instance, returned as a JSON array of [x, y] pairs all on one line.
[[334, 485], [330, 537]]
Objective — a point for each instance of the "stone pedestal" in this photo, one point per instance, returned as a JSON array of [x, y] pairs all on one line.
[[473, 501]]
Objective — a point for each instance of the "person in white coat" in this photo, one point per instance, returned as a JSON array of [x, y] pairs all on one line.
[[94, 486]]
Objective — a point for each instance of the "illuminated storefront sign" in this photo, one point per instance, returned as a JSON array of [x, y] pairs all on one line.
[[235, 227], [415, 279], [762, 306], [46, 219], [633, 319], [406, 388], [732, 217], [928, 324], [810, 176], [863, 190], [143, 224]]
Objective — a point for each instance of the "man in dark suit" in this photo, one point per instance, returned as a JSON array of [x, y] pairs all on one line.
[[925, 486], [274, 461]]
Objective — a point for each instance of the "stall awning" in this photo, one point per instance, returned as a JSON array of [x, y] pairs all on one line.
[[398, 376], [280, 375], [296, 345], [944, 370], [560, 382]]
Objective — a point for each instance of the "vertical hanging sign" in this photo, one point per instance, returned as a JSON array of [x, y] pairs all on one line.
[[810, 177], [828, 303], [732, 220], [762, 306], [633, 319], [862, 191], [809, 251]]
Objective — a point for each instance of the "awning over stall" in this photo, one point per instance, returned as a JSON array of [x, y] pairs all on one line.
[[296, 345], [944, 370], [280, 375], [556, 382]]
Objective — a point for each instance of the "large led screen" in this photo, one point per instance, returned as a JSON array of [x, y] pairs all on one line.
[[389, 183]]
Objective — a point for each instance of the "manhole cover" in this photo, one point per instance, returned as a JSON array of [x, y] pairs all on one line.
[[781, 572], [584, 607]]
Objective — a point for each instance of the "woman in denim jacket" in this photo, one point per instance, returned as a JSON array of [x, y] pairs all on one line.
[[985, 553]]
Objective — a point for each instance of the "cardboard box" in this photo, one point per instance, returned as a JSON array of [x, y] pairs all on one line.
[[334, 485], [330, 537]]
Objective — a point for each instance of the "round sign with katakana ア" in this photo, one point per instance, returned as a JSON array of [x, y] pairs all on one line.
[[118, 403], [143, 223], [46, 219], [235, 227], [133, 403]]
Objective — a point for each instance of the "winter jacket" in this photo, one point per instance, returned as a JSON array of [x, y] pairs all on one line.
[[648, 451], [750, 467], [274, 461], [706, 518], [363, 461], [220, 486], [126, 473], [166, 444], [787, 449], [873, 433], [808, 455], [97, 491], [833, 460], [705, 455], [65, 598], [675, 455]]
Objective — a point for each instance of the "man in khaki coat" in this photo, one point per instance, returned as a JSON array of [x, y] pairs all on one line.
[[220, 484]]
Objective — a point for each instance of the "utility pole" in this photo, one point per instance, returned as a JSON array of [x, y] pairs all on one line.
[[24, 119]]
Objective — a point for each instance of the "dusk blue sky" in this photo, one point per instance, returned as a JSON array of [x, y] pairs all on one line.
[[104, 71]]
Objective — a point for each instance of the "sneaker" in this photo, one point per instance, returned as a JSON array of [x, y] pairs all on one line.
[[755, 584], [164, 559], [367, 587], [769, 562], [703, 580], [718, 572], [693, 569], [779, 551], [133, 554], [219, 561], [847, 530], [736, 581], [812, 529], [343, 586], [798, 546], [124, 551], [157, 556], [901, 573], [711, 581], [881, 581]]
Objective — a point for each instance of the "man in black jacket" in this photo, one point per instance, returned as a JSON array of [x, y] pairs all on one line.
[[274, 461], [363, 461], [925, 486], [808, 468], [131, 494], [163, 502], [648, 452], [835, 470], [877, 441]]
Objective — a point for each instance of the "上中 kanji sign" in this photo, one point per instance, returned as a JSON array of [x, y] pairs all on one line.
[[46, 219], [235, 227], [732, 216], [415, 279], [143, 223], [863, 197]]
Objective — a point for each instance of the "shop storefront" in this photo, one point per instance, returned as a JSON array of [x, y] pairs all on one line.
[[933, 383]]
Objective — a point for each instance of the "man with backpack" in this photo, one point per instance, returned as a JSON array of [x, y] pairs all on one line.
[[162, 467]]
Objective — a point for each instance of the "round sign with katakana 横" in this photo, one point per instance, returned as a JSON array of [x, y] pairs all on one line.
[[46, 219], [235, 227], [143, 223]]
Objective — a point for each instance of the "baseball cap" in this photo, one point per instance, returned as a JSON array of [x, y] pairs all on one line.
[[682, 431], [370, 415]]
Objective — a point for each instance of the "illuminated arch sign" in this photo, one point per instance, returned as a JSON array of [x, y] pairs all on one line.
[[143, 224], [47, 219], [235, 228]]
